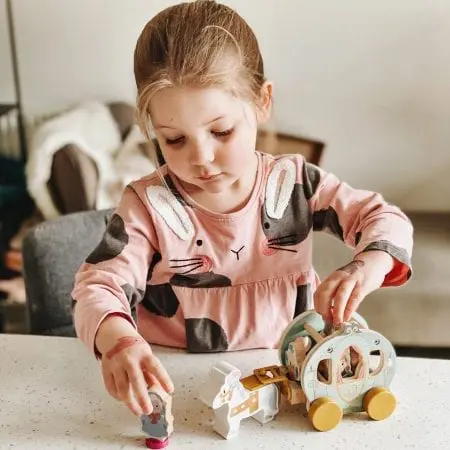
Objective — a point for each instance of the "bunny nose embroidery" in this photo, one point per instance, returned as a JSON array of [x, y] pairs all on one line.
[[236, 252], [206, 263]]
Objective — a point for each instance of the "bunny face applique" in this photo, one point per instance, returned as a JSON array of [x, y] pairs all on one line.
[[285, 216], [190, 270]]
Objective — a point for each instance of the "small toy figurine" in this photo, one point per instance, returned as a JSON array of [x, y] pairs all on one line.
[[332, 370], [232, 402], [158, 425]]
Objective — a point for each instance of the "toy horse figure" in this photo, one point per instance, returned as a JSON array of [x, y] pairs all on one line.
[[232, 402]]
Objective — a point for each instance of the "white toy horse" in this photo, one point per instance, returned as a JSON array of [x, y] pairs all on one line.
[[232, 402]]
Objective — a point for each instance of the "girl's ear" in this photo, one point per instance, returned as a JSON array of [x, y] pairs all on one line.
[[264, 109]]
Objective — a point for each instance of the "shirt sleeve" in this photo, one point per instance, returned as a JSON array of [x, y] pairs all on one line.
[[113, 278], [360, 218]]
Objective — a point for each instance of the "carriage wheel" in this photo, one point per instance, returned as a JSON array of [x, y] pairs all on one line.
[[379, 403], [325, 414]]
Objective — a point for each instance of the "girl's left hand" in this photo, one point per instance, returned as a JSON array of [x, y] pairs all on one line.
[[339, 295]]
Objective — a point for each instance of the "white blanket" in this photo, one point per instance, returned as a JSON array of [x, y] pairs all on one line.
[[93, 129]]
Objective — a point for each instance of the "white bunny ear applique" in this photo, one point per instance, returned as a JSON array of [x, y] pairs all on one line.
[[280, 185], [172, 211]]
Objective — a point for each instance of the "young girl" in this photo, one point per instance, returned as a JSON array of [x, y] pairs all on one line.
[[213, 252]]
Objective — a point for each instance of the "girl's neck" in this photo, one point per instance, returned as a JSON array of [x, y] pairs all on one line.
[[231, 200]]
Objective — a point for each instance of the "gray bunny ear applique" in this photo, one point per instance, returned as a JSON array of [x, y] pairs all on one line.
[[172, 211], [280, 185]]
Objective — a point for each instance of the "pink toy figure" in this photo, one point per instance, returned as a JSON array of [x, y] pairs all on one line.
[[158, 425]]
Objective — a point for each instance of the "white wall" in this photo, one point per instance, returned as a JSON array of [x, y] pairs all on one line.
[[370, 78]]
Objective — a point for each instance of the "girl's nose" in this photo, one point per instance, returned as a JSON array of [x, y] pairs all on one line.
[[202, 153]]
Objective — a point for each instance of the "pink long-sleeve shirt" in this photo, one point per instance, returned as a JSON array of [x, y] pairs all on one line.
[[188, 277]]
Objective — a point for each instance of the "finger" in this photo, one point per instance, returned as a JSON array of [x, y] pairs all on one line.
[[110, 385], [150, 378], [134, 407], [341, 298], [354, 301], [139, 386], [152, 365], [323, 296], [125, 392]]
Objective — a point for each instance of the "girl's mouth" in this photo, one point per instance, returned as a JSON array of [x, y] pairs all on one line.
[[210, 177]]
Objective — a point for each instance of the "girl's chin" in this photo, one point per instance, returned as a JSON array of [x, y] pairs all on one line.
[[213, 185]]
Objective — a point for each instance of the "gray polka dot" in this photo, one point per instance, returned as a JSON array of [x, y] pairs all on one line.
[[205, 336], [155, 260], [114, 240], [303, 300], [311, 179], [295, 224], [134, 296], [328, 220], [200, 280], [160, 299]]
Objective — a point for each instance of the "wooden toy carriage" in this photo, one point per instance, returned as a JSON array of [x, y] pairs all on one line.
[[332, 371]]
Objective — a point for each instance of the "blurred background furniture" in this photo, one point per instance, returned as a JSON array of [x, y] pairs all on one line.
[[53, 251], [72, 186]]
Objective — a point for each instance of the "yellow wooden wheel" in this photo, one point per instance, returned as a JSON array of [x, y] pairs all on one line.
[[325, 414], [379, 403]]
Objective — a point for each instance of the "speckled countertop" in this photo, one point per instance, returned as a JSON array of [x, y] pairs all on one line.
[[52, 397]]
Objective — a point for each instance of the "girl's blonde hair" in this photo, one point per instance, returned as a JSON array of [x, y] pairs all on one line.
[[198, 44]]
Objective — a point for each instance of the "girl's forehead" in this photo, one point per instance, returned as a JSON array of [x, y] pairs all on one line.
[[174, 107]]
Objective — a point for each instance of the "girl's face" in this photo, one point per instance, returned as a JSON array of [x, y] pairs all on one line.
[[207, 137], [156, 403]]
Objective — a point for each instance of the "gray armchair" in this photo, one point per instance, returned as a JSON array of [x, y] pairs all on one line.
[[52, 252]]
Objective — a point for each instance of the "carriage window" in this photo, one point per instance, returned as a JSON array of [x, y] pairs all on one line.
[[324, 371], [375, 362], [350, 363]]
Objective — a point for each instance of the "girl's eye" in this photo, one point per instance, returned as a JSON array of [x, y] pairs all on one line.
[[181, 139], [223, 133], [174, 141]]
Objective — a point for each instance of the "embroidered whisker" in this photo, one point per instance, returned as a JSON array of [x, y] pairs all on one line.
[[284, 249], [189, 259], [194, 268], [187, 265], [288, 236]]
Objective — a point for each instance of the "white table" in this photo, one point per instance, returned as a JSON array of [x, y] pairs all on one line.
[[52, 397]]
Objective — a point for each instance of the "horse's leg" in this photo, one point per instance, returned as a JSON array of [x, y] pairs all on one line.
[[262, 415], [268, 400], [226, 427], [234, 428], [274, 400]]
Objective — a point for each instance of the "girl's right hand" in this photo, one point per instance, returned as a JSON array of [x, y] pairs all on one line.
[[129, 366]]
